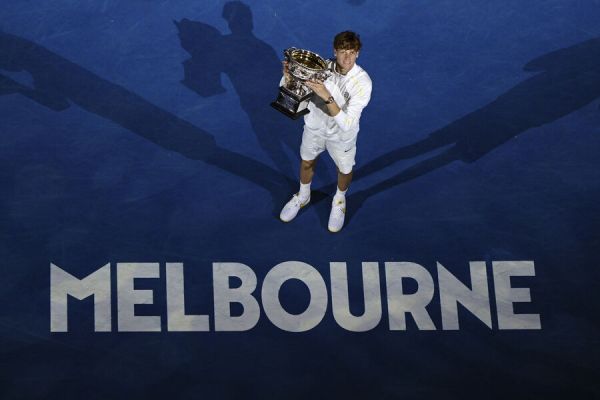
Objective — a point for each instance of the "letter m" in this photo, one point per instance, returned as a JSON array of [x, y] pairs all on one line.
[[63, 284]]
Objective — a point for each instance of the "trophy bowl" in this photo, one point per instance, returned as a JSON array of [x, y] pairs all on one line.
[[305, 65], [294, 95]]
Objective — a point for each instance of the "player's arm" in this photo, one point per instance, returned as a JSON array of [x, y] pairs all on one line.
[[347, 119], [320, 90]]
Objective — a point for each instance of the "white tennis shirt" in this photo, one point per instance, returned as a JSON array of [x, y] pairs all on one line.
[[351, 93]]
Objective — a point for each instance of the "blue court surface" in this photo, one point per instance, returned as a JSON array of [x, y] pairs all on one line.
[[140, 161]]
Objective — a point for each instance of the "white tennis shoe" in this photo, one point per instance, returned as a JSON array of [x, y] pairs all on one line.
[[291, 208], [337, 215]]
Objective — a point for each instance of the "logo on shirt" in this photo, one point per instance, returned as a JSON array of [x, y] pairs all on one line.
[[346, 96]]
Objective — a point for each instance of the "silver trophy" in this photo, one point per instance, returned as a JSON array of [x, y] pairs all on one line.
[[294, 95]]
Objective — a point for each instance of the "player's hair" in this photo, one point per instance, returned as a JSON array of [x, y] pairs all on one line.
[[347, 40]]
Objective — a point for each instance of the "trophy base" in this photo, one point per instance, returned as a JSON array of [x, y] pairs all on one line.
[[288, 113], [290, 104]]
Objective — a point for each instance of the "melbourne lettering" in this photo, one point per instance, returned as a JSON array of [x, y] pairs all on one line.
[[325, 299]]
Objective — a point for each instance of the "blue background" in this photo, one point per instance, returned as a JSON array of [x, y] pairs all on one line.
[[141, 131]]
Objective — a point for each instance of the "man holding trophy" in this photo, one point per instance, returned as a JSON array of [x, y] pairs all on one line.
[[331, 109]]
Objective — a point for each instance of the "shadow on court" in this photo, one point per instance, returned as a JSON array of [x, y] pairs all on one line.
[[58, 83], [254, 69], [568, 80]]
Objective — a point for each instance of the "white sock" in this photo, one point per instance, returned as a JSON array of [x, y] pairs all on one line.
[[340, 194], [304, 192]]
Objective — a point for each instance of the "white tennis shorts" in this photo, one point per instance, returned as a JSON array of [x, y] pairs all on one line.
[[341, 153]]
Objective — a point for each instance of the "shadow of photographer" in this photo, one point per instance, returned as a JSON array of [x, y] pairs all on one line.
[[253, 68]]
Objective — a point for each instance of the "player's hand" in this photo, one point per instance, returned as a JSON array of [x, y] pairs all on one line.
[[319, 88]]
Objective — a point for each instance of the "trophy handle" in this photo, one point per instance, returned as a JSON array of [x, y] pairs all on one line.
[[287, 53]]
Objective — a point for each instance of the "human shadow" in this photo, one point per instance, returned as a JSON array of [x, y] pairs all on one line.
[[58, 83], [254, 70], [568, 80]]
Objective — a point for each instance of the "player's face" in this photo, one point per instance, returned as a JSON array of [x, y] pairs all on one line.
[[345, 59]]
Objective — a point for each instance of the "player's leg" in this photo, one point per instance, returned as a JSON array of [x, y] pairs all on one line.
[[343, 182], [307, 170], [312, 145], [343, 154]]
